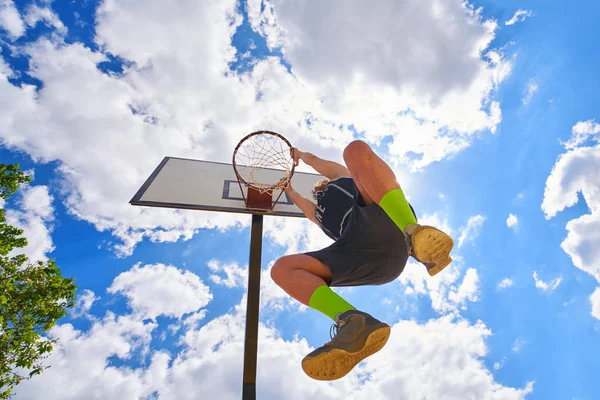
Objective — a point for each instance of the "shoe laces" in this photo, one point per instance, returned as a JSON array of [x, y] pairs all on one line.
[[335, 328], [333, 331]]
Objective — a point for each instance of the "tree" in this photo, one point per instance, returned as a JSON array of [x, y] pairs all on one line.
[[33, 296]]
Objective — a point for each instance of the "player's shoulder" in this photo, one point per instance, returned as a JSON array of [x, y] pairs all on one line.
[[344, 184], [341, 179]]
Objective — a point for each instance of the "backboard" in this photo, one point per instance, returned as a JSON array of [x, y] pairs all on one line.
[[212, 186]]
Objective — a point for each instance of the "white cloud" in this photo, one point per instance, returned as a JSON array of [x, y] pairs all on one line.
[[546, 286], [97, 191], [428, 347], [83, 303], [209, 353], [272, 297], [36, 14], [297, 31], [581, 132], [498, 365], [447, 292], [235, 276], [581, 242], [468, 289], [450, 290], [505, 283], [295, 235], [377, 85], [568, 303], [589, 127], [209, 363], [595, 302], [518, 345], [158, 289], [512, 221], [36, 200], [10, 20], [471, 231], [575, 172], [188, 103], [532, 88], [81, 367], [35, 216], [519, 16]]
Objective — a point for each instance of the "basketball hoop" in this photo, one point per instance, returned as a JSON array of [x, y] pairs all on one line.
[[256, 153]]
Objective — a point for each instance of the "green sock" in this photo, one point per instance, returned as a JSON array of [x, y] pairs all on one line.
[[328, 302], [397, 208]]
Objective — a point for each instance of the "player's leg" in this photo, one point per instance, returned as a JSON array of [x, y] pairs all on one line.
[[377, 179], [304, 278], [427, 244], [358, 336], [363, 192]]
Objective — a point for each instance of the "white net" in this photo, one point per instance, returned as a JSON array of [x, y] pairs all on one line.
[[257, 157]]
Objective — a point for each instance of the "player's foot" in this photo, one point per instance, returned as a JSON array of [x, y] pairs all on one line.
[[358, 336], [429, 246]]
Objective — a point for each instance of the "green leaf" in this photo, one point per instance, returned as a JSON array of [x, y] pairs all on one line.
[[33, 296]]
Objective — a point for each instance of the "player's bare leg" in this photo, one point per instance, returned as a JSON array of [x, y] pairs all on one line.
[[299, 276], [358, 335], [376, 180]]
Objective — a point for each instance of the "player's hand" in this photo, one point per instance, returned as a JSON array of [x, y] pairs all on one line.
[[295, 154]]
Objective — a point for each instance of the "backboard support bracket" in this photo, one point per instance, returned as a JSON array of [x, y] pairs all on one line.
[[256, 199]]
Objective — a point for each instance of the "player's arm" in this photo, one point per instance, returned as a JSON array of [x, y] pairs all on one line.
[[329, 169], [304, 204]]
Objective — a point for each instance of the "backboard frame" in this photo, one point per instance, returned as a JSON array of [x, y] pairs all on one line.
[[230, 184]]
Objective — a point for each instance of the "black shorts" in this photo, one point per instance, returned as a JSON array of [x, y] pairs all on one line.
[[371, 250]]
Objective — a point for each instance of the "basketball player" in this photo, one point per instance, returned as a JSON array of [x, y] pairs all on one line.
[[363, 209]]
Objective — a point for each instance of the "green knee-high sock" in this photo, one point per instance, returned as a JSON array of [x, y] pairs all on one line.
[[397, 208], [328, 302]]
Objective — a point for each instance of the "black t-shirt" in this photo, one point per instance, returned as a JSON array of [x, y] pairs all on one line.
[[334, 205]]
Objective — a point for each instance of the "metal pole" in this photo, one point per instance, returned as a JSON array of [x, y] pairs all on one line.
[[251, 343]]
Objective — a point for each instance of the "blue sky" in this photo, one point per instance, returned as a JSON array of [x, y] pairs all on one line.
[[487, 112]]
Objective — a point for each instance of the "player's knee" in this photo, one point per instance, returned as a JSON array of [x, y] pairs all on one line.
[[356, 150], [281, 270]]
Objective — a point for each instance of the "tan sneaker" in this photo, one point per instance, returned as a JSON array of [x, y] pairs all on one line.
[[429, 246], [358, 335]]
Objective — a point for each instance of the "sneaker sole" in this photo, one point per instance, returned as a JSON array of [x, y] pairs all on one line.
[[436, 244], [336, 363]]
